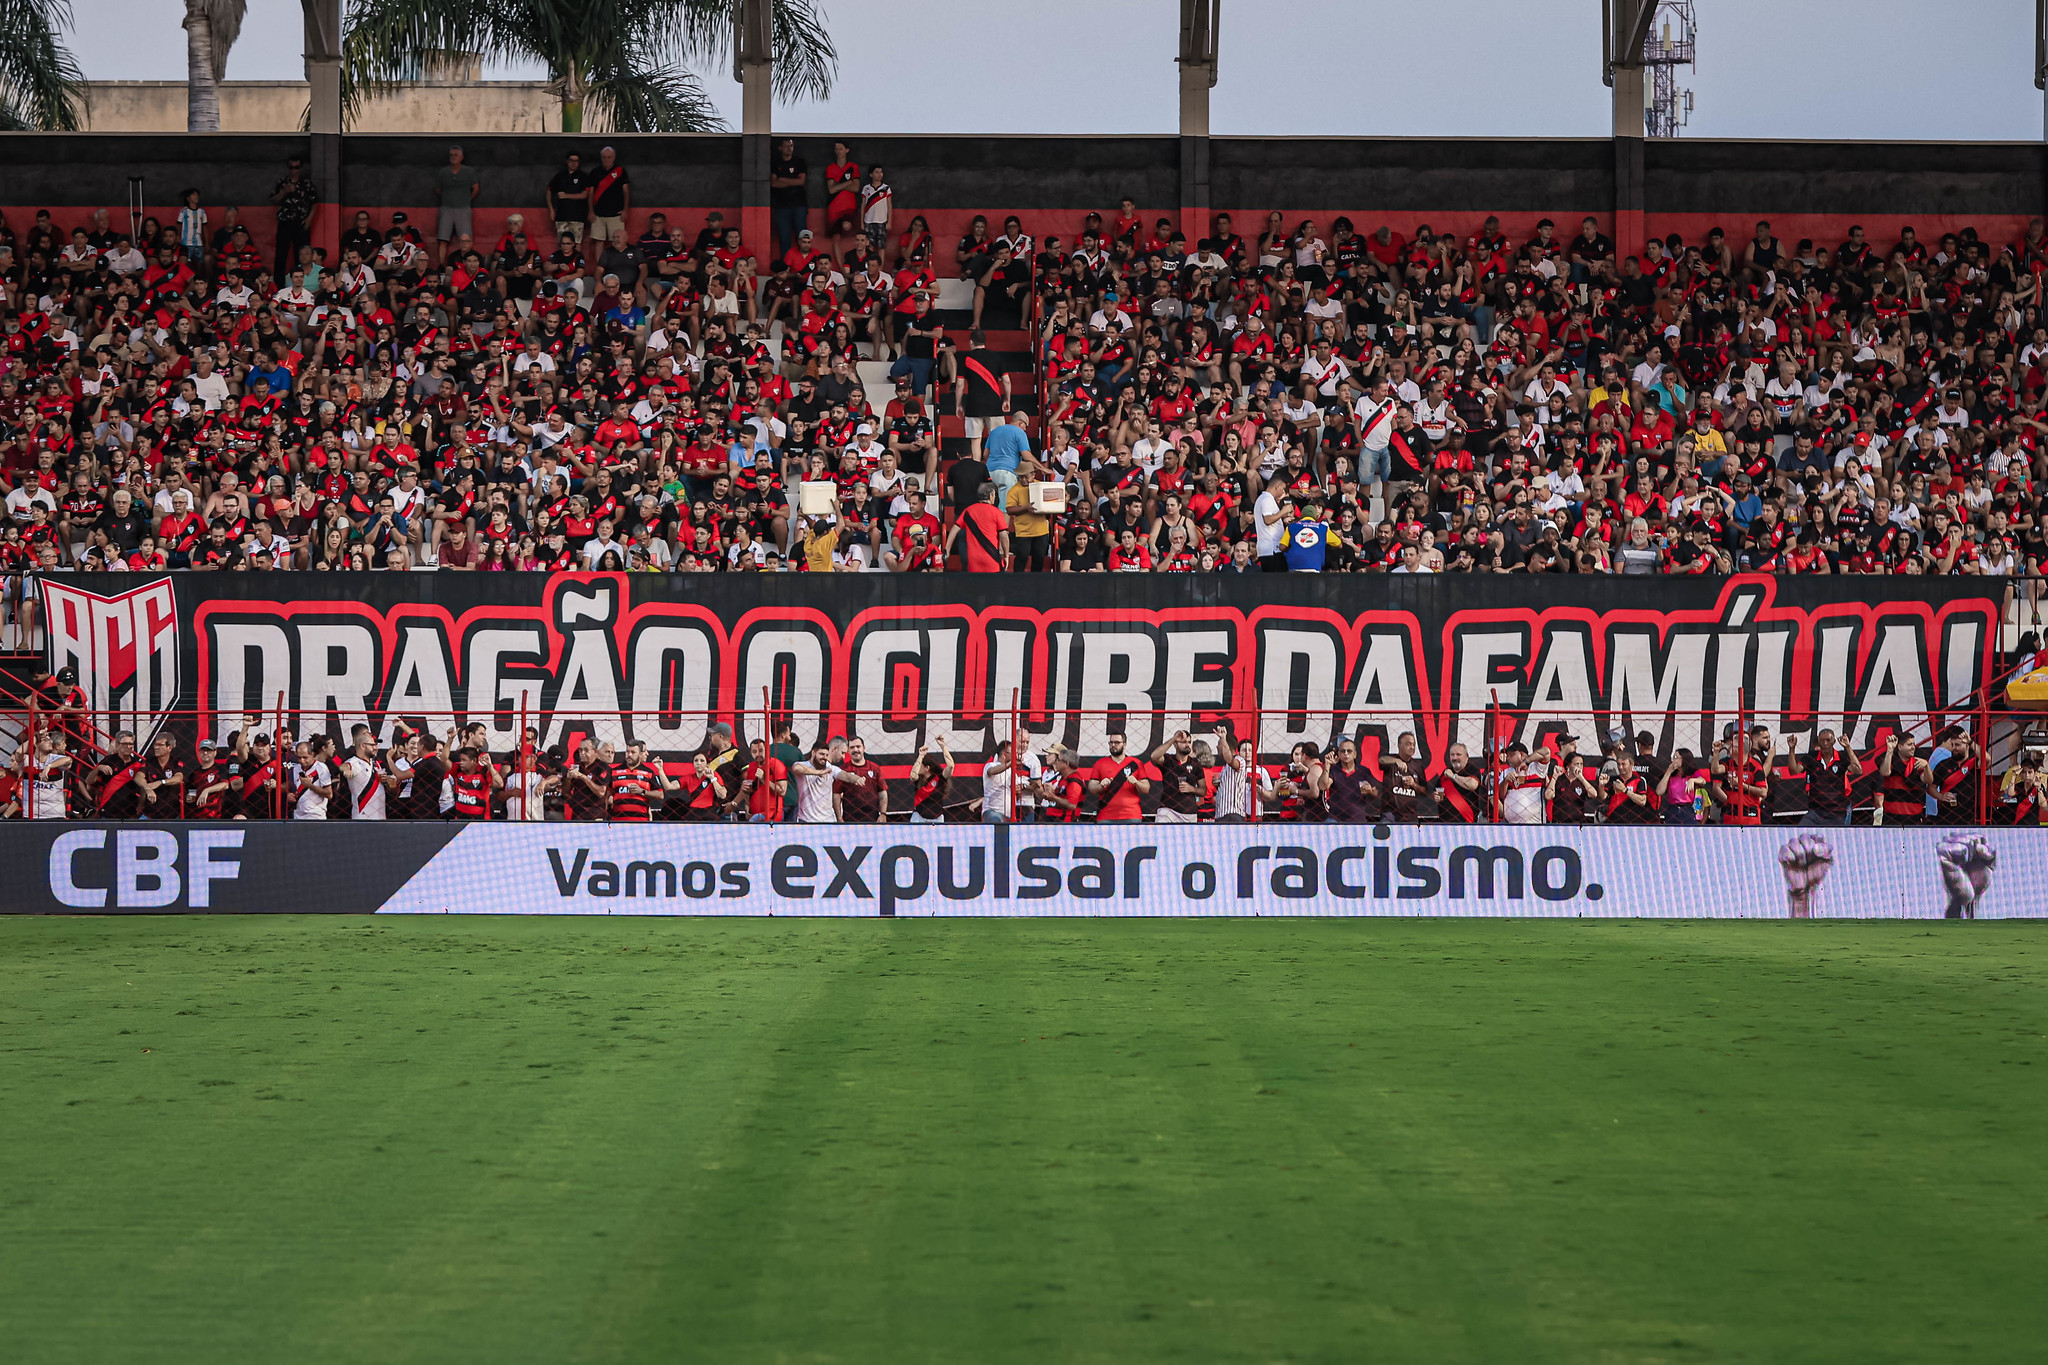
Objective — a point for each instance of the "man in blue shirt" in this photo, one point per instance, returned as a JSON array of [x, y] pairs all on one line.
[[1004, 447], [1748, 506], [1308, 538]]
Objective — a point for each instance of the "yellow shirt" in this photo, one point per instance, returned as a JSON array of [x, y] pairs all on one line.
[[818, 550], [1024, 522]]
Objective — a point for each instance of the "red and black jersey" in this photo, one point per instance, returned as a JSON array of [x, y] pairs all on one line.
[[121, 795], [631, 787], [1904, 798], [1743, 808], [928, 798], [472, 794], [1621, 810], [1956, 777]]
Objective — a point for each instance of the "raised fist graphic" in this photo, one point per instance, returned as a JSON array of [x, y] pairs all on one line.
[[1805, 860], [1966, 866]]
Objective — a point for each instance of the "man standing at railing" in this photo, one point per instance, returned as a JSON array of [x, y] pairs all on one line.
[[1739, 769], [864, 798], [1353, 792], [1522, 784], [44, 770], [1952, 779], [1461, 788], [1117, 783], [1182, 780], [115, 776], [162, 780], [315, 783], [1901, 780], [1830, 773], [368, 784]]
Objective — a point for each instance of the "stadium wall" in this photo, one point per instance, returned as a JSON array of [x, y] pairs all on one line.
[[62, 867], [1807, 189]]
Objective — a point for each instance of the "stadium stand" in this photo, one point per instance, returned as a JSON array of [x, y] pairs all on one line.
[[586, 384], [1307, 393]]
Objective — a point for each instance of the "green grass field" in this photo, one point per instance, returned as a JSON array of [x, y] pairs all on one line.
[[305, 1140]]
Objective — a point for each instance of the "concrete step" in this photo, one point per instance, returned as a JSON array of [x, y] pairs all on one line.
[[956, 293], [874, 377]]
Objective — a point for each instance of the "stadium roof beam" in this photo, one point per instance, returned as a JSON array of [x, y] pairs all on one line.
[[1199, 22], [1624, 28]]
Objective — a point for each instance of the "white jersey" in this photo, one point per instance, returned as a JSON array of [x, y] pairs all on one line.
[[312, 805], [1375, 423], [365, 792], [523, 797], [1521, 794], [47, 795], [814, 797], [995, 788]]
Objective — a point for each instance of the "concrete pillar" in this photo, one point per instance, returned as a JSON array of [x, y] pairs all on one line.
[[1194, 152], [323, 73], [754, 68], [1199, 20]]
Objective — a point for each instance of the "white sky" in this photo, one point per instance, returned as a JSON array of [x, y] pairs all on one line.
[[1958, 69]]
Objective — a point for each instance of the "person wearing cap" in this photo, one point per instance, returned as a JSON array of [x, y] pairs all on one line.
[[727, 762], [456, 187]]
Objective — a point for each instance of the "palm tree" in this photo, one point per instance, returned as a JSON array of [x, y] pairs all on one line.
[[618, 60], [211, 27], [41, 87]]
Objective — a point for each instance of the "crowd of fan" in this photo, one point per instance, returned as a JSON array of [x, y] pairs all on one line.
[[607, 388], [1747, 777]]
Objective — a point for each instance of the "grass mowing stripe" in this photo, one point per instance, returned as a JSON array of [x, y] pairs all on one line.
[[1019, 1141]]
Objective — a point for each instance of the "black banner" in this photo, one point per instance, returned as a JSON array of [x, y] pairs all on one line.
[[58, 867], [907, 659]]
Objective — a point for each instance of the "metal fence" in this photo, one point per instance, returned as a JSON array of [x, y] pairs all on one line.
[[1491, 764]]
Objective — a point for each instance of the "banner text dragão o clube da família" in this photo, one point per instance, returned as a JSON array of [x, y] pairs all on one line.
[[907, 660]]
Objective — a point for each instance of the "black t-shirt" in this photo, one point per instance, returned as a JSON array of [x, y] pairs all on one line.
[[1173, 771], [567, 182], [625, 264], [983, 398], [610, 201], [127, 532], [964, 481], [793, 196]]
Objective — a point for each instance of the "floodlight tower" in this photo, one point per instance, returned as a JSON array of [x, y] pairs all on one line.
[[1668, 46]]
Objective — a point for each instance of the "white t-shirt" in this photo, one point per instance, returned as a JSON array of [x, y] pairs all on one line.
[[312, 805], [1523, 805], [995, 787], [1271, 537], [212, 389], [362, 777], [523, 797], [814, 796], [19, 501]]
